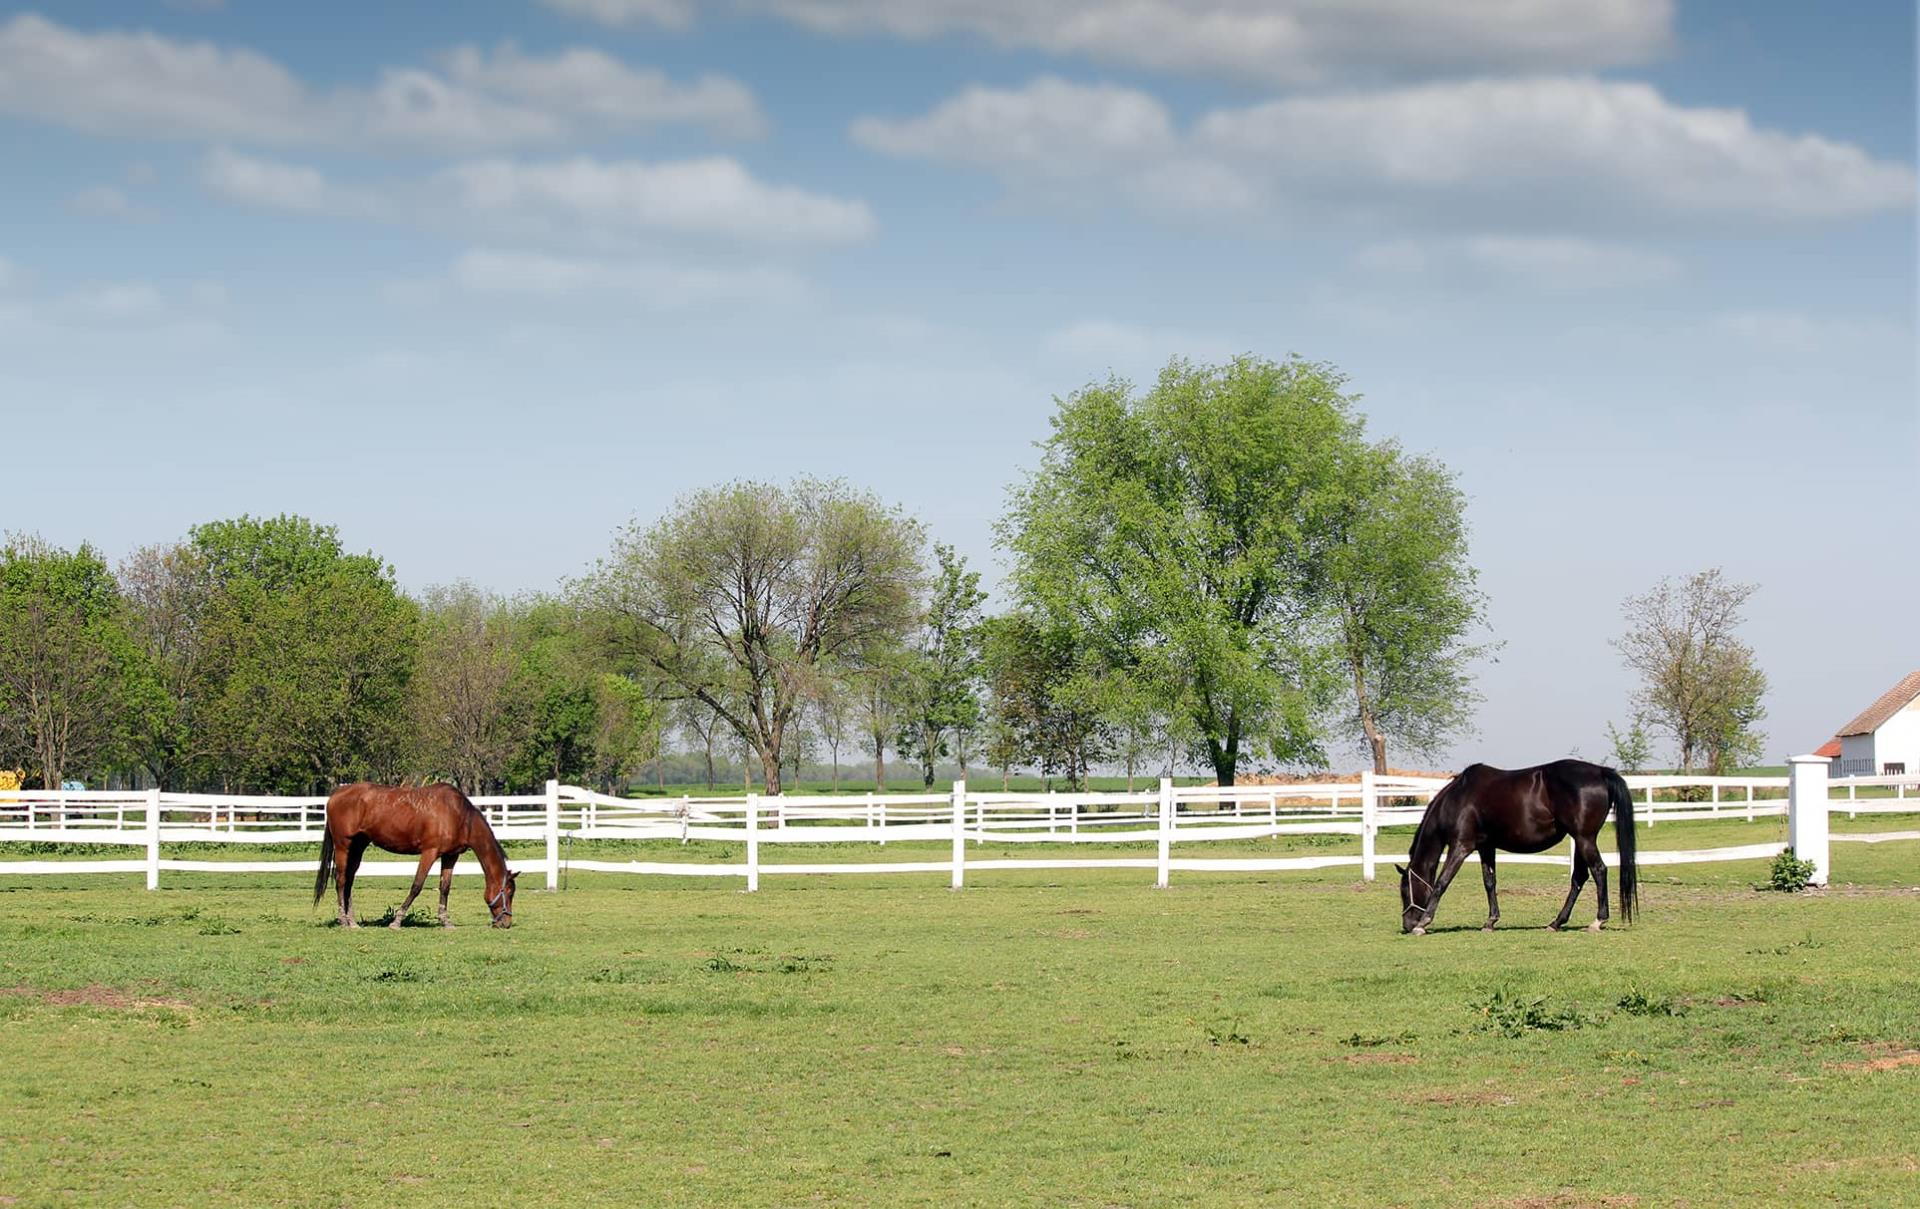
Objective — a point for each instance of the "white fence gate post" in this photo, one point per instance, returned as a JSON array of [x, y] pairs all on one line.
[[153, 838], [1369, 821], [1807, 813], [1165, 863], [753, 842], [959, 834], [553, 835]]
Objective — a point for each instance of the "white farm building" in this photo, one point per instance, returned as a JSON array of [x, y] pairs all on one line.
[[1885, 738]]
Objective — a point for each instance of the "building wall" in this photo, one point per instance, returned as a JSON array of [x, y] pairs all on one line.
[[1898, 740], [1856, 757]]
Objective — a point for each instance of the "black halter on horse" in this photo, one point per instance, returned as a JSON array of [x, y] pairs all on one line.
[[1485, 809]]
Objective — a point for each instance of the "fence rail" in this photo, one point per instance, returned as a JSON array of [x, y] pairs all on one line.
[[1171, 815]]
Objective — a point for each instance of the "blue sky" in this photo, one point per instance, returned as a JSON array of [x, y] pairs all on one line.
[[480, 283]]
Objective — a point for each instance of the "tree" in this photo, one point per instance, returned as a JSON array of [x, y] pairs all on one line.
[[1046, 696], [556, 681], [740, 595], [938, 696], [877, 686], [833, 709], [1632, 748], [167, 591], [1179, 535], [310, 652], [624, 736], [1698, 682], [467, 721], [1403, 597], [66, 662]]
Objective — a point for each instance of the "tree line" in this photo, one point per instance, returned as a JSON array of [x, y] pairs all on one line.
[[1223, 570]]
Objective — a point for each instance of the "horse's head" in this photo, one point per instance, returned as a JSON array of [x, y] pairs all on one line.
[[1412, 917], [500, 902]]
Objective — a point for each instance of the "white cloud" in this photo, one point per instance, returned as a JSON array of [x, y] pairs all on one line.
[[574, 198], [1274, 41], [657, 286], [670, 14], [1552, 263], [709, 196], [1576, 148], [104, 201], [276, 185], [135, 311], [148, 85], [596, 87]]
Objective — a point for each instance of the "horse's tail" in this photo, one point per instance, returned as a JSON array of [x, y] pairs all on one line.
[[326, 864], [1629, 872]]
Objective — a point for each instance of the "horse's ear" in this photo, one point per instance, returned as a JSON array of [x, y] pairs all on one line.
[[1400, 869], [512, 875]]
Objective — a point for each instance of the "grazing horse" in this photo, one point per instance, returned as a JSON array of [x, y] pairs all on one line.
[[435, 821], [1523, 810]]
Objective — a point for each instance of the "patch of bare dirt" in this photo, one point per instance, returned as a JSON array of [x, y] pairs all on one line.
[[1881, 1056], [94, 995]]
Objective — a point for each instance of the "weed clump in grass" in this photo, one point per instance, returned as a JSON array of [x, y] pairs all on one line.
[[1637, 1002], [1789, 874], [1513, 1015]]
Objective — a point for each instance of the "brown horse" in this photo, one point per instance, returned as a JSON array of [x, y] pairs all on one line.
[[436, 821], [1523, 810]]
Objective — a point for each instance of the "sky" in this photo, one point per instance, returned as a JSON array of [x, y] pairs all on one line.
[[479, 284]]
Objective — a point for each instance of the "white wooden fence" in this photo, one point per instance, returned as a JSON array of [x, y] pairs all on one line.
[[1163, 818]]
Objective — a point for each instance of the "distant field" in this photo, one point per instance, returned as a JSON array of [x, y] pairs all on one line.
[[1037, 1039]]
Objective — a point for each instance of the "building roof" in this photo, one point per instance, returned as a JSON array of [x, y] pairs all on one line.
[[1890, 703], [1830, 749]]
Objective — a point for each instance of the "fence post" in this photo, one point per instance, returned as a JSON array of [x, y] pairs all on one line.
[[1165, 864], [1369, 821], [153, 838], [753, 842], [959, 834], [553, 835], [1807, 813]]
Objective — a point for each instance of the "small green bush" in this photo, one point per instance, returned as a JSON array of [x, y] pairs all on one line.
[[1511, 1015], [1789, 873]]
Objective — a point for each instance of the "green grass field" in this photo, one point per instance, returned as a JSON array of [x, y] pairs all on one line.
[[1039, 1038]]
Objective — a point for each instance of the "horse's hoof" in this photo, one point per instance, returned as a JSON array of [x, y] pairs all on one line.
[[1553, 927], [1594, 926], [1419, 930], [1486, 927], [395, 925]]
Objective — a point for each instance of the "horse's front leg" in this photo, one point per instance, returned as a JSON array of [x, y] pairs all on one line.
[[446, 885], [1486, 879], [1573, 891], [419, 880], [1456, 857]]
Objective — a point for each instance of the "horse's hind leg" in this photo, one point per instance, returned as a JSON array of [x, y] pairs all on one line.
[[446, 885], [1590, 856], [1486, 879], [1573, 891], [419, 880], [346, 867]]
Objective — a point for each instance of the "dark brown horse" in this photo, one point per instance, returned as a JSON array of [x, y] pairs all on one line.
[[435, 821], [1525, 810]]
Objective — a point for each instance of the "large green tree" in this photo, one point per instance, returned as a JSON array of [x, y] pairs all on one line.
[[167, 590], [69, 671], [1180, 535], [1403, 596], [1046, 697], [940, 696], [744, 592], [310, 651]]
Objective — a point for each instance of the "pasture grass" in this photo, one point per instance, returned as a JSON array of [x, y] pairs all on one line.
[[1039, 1038]]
